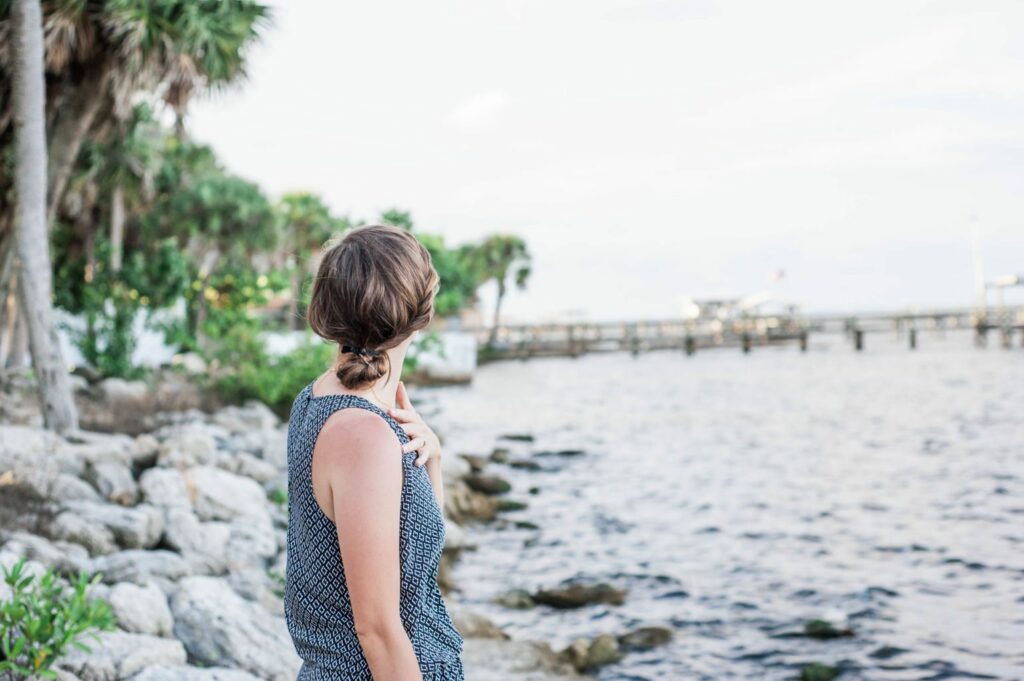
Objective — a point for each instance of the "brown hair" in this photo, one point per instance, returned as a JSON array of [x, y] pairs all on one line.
[[374, 288]]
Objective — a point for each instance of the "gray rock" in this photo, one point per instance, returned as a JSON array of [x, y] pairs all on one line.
[[164, 488], [221, 495], [144, 450], [138, 527], [69, 487], [519, 599], [204, 546], [498, 660], [252, 541], [252, 416], [487, 484], [645, 638], [454, 536], [247, 465], [274, 447], [83, 447], [113, 480], [254, 584], [140, 567], [96, 537], [119, 390], [64, 557], [187, 445], [577, 595], [141, 609], [218, 626], [26, 459], [118, 654], [183, 673], [474, 625]]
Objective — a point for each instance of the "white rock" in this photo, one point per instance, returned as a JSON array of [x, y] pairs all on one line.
[[181, 673], [454, 536], [204, 546], [218, 626], [221, 495], [67, 487], [82, 447], [254, 584], [96, 537], [141, 566], [247, 465], [252, 416], [275, 447], [144, 450], [141, 609], [164, 488], [137, 527], [118, 655], [251, 543], [113, 480], [64, 557], [26, 458], [186, 445]]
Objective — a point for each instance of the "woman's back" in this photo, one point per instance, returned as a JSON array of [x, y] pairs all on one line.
[[318, 608]]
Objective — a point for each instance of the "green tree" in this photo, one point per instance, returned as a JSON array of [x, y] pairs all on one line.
[[306, 224], [498, 257]]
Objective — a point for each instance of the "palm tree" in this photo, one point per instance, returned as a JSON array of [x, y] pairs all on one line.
[[100, 54], [497, 257], [306, 223], [35, 286]]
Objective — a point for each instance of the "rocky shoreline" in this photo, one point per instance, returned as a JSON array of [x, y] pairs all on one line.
[[186, 523]]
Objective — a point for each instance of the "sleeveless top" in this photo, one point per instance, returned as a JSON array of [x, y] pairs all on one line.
[[318, 610]]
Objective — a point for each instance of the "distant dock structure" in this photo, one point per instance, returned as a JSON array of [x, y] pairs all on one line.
[[743, 325]]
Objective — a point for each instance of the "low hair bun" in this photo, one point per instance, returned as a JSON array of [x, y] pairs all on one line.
[[356, 369]]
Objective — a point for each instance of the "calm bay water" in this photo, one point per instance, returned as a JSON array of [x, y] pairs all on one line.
[[737, 497]]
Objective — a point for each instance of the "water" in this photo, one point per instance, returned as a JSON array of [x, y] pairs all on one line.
[[737, 497]]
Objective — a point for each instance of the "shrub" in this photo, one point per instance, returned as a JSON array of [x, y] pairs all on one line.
[[43, 617]]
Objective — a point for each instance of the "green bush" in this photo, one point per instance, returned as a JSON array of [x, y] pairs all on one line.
[[42, 618], [253, 374], [246, 372]]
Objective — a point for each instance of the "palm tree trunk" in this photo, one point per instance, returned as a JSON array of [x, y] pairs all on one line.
[[69, 132], [35, 285], [293, 304], [497, 311], [117, 218], [19, 339]]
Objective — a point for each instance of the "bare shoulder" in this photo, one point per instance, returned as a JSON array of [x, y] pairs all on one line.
[[353, 436]]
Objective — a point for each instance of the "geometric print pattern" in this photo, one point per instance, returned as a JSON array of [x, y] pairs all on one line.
[[318, 609]]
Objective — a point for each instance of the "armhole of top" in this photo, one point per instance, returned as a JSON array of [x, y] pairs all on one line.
[[312, 452]]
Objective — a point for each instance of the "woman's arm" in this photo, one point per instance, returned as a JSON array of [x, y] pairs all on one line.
[[363, 465]]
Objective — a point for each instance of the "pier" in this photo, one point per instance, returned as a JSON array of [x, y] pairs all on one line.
[[572, 339]]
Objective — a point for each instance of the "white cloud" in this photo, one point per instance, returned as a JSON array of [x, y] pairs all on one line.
[[479, 109]]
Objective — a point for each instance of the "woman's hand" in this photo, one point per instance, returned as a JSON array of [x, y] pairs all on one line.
[[422, 437]]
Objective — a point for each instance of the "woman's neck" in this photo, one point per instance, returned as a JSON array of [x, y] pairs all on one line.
[[382, 392]]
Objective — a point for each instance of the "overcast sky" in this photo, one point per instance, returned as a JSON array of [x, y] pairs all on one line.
[[651, 150]]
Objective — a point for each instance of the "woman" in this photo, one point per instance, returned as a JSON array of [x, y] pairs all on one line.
[[365, 496]]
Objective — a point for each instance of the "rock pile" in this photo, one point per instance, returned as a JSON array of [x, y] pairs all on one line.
[[187, 524]]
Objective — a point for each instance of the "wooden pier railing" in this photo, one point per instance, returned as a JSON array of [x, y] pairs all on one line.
[[571, 339]]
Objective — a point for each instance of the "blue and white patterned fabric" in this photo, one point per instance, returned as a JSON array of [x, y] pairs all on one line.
[[317, 606]]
